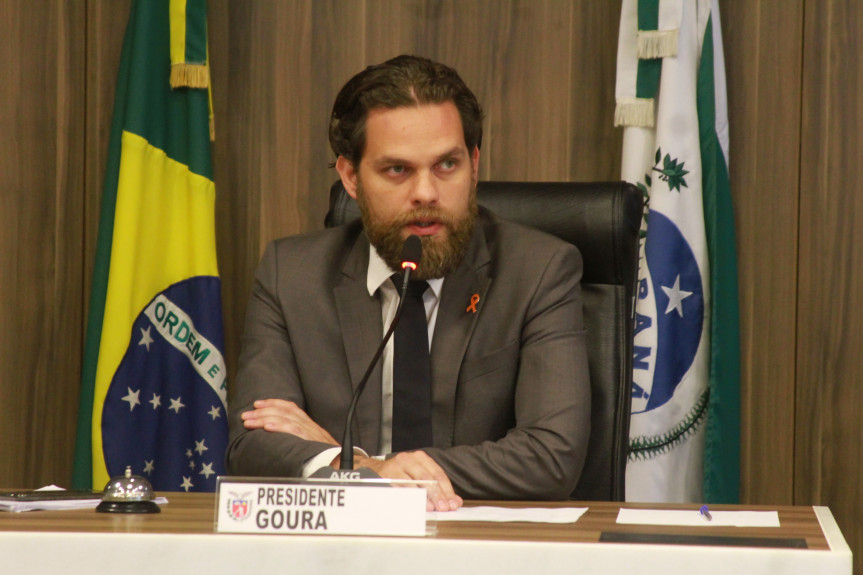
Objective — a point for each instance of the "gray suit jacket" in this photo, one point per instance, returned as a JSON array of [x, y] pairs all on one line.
[[510, 387]]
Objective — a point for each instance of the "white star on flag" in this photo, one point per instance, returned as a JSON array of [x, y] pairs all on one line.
[[187, 483], [148, 467], [177, 404], [675, 297], [132, 398], [207, 470], [215, 412], [145, 337], [156, 401], [200, 447]]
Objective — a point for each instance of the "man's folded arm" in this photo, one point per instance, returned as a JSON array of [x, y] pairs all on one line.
[[267, 370]]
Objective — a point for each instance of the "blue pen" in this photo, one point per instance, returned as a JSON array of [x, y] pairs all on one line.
[[705, 512]]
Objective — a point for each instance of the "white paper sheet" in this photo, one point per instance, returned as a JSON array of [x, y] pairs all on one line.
[[694, 518], [503, 514]]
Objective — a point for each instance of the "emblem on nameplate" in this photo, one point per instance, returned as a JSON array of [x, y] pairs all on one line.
[[239, 506]]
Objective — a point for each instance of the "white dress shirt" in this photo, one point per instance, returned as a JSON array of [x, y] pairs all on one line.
[[378, 279]]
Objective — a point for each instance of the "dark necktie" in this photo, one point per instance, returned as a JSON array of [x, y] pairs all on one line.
[[412, 374]]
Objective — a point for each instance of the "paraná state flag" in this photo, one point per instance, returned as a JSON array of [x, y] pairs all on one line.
[[685, 426], [153, 392]]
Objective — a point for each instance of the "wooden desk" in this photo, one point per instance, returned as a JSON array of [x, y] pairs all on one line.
[[181, 539]]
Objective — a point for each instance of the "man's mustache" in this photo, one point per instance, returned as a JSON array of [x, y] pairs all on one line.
[[425, 214]]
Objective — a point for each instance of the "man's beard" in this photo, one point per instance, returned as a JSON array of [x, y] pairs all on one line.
[[439, 257]]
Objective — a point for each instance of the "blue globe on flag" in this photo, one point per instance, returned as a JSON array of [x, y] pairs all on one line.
[[165, 411], [668, 339]]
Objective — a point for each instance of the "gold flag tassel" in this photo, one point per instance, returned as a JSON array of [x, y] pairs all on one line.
[[185, 75], [189, 64]]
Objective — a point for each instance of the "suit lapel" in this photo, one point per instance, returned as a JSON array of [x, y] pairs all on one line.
[[361, 326], [453, 330]]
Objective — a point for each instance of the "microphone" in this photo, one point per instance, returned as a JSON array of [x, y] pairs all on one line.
[[411, 256]]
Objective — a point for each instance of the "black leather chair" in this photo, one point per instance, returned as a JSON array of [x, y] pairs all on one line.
[[602, 220]]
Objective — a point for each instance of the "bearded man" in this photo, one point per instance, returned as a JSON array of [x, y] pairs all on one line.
[[506, 412]]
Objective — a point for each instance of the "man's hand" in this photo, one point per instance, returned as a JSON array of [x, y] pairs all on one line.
[[285, 417], [417, 465]]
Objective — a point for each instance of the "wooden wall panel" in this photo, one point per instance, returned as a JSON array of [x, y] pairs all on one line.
[[282, 62], [531, 115], [595, 149], [41, 210], [763, 44], [459, 34], [261, 59], [337, 53], [829, 457]]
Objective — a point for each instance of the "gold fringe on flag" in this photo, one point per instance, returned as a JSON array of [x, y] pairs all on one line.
[[634, 112], [657, 44], [184, 75]]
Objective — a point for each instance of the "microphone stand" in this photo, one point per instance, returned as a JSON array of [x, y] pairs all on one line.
[[412, 246]]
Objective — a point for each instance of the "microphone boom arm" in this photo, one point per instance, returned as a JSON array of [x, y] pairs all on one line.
[[346, 462]]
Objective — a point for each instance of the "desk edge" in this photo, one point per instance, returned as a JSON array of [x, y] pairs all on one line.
[[831, 530]]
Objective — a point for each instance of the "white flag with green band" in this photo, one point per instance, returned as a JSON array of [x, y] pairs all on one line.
[[684, 432]]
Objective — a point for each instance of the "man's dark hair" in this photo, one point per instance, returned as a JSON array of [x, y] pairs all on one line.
[[400, 82]]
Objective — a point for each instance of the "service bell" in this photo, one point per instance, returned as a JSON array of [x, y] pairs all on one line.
[[128, 494]]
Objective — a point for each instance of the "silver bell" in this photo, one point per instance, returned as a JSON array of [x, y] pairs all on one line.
[[128, 494]]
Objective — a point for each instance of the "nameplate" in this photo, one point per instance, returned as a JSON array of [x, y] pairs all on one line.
[[319, 507]]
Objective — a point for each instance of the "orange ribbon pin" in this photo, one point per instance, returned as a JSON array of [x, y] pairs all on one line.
[[474, 299]]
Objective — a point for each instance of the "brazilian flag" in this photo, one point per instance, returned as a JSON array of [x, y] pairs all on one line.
[[153, 391]]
